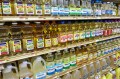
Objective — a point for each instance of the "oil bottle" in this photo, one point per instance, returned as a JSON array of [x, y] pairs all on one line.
[[58, 61], [72, 6], [54, 7], [62, 27], [47, 10], [47, 35], [39, 36], [61, 7], [27, 37], [4, 38], [1, 12], [90, 51], [70, 33], [19, 7], [54, 34], [7, 6], [38, 7], [66, 8], [78, 7], [50, 64], [16, 39], [66, 59], [72, 57], [29, 7], [87, 31], [85, 72], [85, 53]]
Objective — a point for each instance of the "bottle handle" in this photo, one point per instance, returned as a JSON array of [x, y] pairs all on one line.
[[15, 70], [44, 62], [29, 64]]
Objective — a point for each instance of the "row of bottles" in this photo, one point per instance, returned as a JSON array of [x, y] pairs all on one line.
[[55, 62], [58, 7], [26, 37]]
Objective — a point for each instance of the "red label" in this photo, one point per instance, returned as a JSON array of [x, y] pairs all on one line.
[[63, 38], [105, 32], [70, 37]]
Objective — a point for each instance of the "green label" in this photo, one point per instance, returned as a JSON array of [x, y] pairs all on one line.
[[73, 11], [66, 62], [73, 60]]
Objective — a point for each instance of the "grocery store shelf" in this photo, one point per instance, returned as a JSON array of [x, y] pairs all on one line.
[[78, 67], [50, 18], [45, 51]]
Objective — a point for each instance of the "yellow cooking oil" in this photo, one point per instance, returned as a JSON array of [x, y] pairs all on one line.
[[38, 7], [19, 7], [85, 53], [1, 8], [16, 39], [7, 7], [4, 45], [27, 37], [76, 32], [47, 7], [62, 29], [54, 34], [38, 36], [87, 31], [29, 7], [90, 52], [70, 32], [82, 31], [47, 34]]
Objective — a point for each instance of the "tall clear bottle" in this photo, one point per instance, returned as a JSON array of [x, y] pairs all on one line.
[[54, 7], [47, 7], [61, 7], [66, 7]]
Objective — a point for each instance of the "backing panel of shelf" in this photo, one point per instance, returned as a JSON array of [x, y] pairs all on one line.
[[50, 18], [45, 51]]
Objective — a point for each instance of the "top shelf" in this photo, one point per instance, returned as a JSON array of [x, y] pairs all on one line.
[[49, 18]]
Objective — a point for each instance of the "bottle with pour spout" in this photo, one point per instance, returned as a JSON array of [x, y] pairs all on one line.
[[28, 40], [58, 61], [39, 68], [50, 64], [16, 39], [25, 70], [11, 72]]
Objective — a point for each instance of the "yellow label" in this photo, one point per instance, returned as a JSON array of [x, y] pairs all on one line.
[[6, 8], [17, 46], [4, 48], [76, 36], [48, 43], [20, 8], [54, 41]]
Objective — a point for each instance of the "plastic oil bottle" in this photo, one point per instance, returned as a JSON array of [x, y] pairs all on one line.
[[54, 7], [66, 59], [85, 73], [10, 71], [39, 36], [62, 27], [61, 7], [46, 7], [76, 74], [66, 8], [54, 34], [50, 64], [25, 69], [70, 33], [47, 35], [78, 7], [38, 7], [72, 6], [19, 7], [85, 52], [39, 68], [1, 8], [16, 39], [58, 61], [7, 6], [72, 57], [91, 70], [87, 30], [67, 76], [29, 7], [28, 40], [4, 46]]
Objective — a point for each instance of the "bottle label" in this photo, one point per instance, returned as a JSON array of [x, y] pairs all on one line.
[[20, 8], [63, 38], [76, 36], [66, 11], [29, 8], [93, 33], [40, 43], [50, 68], [105, 33], [73, 11], [4, 48], [97, 32], [54, 41], [17, 46], [48, 43], [41, 75], [87, 35], [6, 8], [73, 60], [47, 9], [82, 35], [66, 62], [27, 78], [70, 37], [61, 11], [0, 8], [58, 65], [38, 9], [54, 10], [84, 11], [79, 57], [29, 44], [98, 12], [78, 11]]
